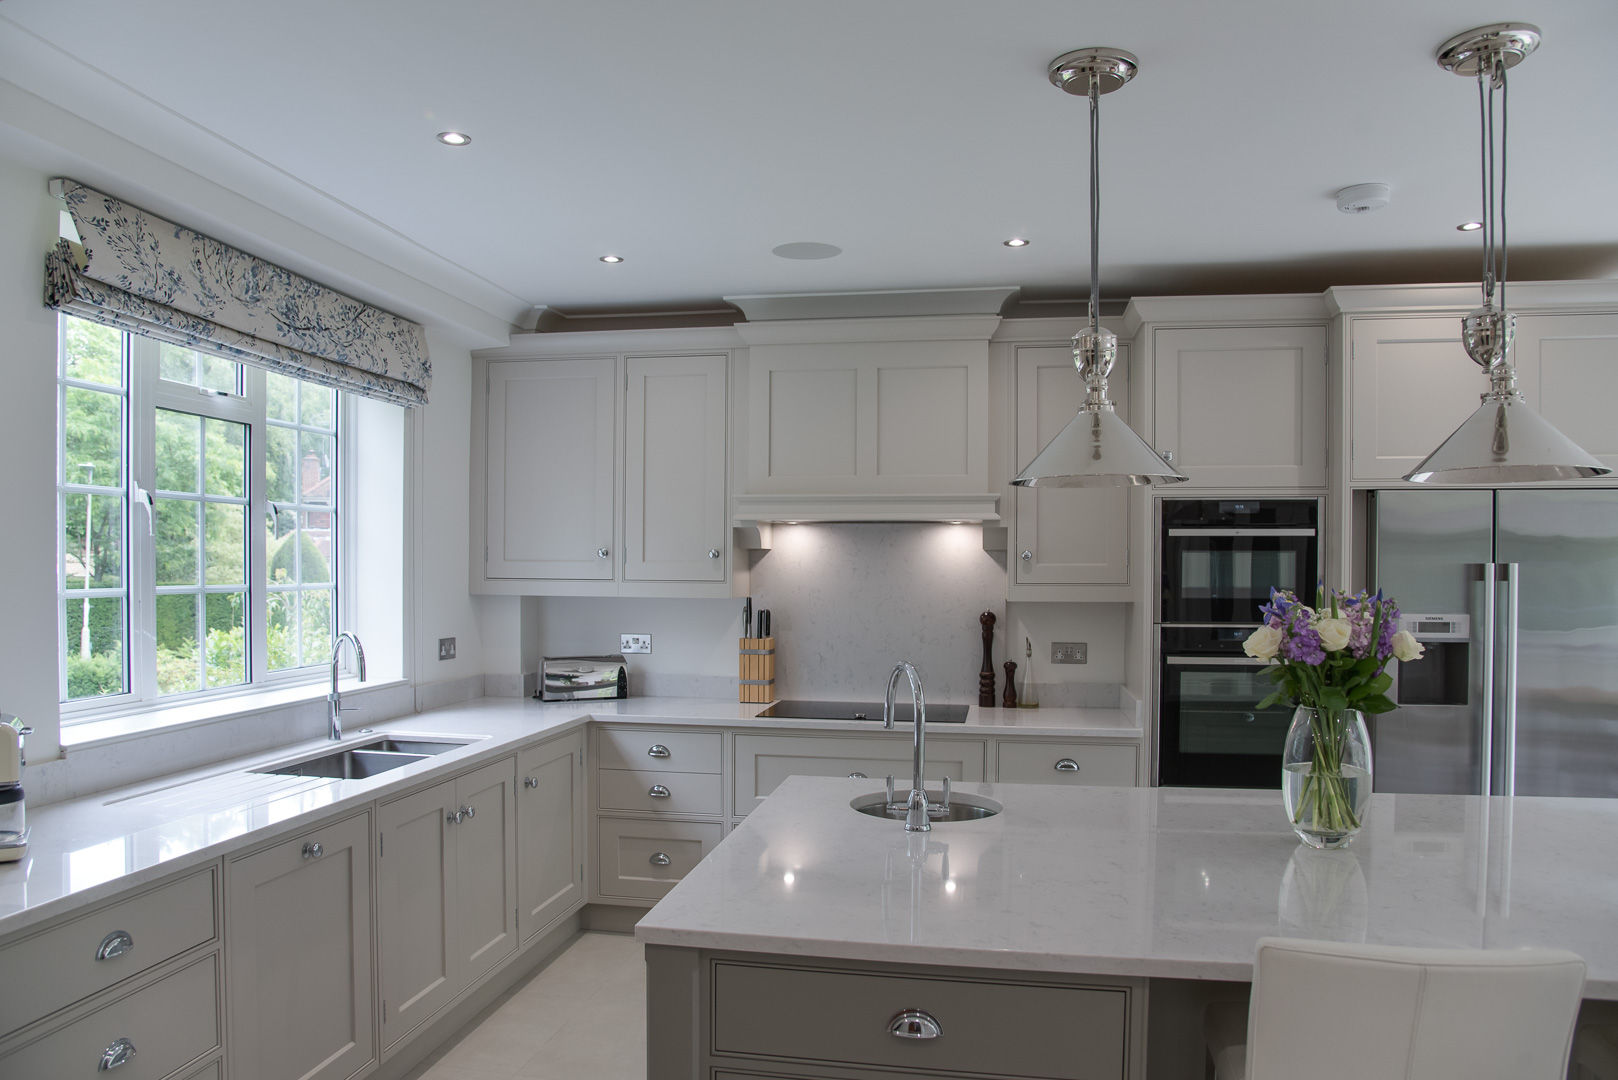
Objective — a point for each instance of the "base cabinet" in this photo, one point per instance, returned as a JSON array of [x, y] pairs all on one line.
[[446, 892], [763, 761], [1074, 762], [298, 939], [550, 833]]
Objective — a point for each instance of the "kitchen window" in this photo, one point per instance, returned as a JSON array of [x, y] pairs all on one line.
[[200, 523]]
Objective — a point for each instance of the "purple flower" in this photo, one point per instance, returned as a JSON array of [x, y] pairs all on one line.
[[1303, 645]]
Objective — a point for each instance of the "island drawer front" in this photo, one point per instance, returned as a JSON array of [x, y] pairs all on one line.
[[644, 748], [170, 1023], [764, 761], [631, 854], [677, 793], [995, 1028], [135, 934], [1099, 764]]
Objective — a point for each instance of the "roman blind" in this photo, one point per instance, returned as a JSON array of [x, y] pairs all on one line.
[[139, 272]]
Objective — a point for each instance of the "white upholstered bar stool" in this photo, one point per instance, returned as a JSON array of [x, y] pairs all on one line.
[[1327, 1011]]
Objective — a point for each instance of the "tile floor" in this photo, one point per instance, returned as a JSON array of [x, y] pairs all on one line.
[[581, 1016]]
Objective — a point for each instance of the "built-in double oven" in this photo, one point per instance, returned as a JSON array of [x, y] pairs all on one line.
[[1219, 559]]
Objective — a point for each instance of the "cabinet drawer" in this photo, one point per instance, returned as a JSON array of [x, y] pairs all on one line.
[[169, 1024], [677, 792], [764, 761], [1103, 765], [643, 859], [676, 751], [997, 1028], [62, 962]]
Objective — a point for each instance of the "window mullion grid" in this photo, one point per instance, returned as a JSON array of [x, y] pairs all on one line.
[[142, 569], [258, 599]]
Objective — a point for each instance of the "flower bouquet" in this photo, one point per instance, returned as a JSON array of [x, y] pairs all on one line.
[[1328, 661]]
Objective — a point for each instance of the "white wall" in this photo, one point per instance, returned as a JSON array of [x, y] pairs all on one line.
[[28, 571]]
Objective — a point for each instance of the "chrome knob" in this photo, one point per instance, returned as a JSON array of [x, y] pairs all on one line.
[[856, 776], [530, 781], [601, 553], [914, 1024], [1067, 764], [313, 850], [470, 812], [121, 1052], [115, 945], [1027, 556], [713, 553], [455, 817], [659, 859], [658, 791], [658, 750]]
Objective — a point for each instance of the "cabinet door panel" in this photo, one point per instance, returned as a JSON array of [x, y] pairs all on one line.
[[299, 942], [1411, 385], [550, 833], [485, 880], [551, 468], [1073, 536], [674, 469], [1567, 366], [1243, 406], [415, 908]]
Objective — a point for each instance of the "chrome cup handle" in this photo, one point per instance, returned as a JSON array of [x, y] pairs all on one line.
[[659, 859], [120, 1053], [115, 945], [658, 791], [1067, 764], [915, 1024], [657, 750]]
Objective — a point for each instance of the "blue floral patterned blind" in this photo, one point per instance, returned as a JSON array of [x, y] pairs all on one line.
[[138, 272]]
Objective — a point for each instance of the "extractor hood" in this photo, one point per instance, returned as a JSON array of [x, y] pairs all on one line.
[[796, 509]]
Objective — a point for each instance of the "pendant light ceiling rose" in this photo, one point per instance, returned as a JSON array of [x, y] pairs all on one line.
[[1507, 42], [1072, 70]]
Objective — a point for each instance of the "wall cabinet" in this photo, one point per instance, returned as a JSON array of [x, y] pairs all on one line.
[[1567, 367], [1242, 407], [298, 935], [550, 833], [446, 892], [603, 475], [1064, 536]]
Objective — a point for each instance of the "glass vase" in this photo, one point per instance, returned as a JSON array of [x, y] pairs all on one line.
[[1326, 775]]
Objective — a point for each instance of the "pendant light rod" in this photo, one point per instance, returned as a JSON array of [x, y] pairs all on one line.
[[1095, 201]]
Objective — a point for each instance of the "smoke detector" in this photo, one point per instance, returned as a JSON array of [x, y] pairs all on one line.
[[1363, 198]]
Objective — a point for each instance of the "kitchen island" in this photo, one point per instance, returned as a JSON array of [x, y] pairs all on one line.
[[1094, 896]]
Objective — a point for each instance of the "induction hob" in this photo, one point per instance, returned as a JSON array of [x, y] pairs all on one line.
[[862, 710]]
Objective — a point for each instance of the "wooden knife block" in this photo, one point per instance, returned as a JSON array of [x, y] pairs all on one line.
[[755, 669]]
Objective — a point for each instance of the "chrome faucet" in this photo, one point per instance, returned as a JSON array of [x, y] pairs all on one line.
[[334, 700], [916, 801]]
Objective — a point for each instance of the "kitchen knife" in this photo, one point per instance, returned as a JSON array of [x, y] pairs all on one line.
[[747, 616], [764, 630]]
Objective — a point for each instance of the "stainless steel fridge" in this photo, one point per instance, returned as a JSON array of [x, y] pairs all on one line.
[[1515, 594]]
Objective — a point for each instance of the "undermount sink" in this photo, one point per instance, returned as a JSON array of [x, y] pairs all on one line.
[[962, 807], [365, 759]]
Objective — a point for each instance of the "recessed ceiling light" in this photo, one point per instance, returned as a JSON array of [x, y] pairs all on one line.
[[806, 249], [1015, 241], [454, 138], [1469, 226], [612, 258]]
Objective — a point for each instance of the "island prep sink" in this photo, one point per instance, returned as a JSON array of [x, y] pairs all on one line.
[[962, 807], [366, 759]]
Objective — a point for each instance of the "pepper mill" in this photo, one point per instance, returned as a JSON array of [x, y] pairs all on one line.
[[986, 673], [1009, 699]]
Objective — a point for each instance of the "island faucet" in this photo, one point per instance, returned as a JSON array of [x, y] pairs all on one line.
[[916, 802], [334, 700]]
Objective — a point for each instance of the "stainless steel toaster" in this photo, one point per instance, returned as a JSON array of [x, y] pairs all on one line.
[[571, 678]]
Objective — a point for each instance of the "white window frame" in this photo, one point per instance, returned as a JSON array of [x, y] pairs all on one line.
[[145, 394]]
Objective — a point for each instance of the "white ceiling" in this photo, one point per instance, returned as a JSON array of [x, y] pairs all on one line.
[[693, 137]]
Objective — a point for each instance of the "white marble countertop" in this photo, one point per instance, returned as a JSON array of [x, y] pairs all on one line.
[[1156, 882], [89, 849]]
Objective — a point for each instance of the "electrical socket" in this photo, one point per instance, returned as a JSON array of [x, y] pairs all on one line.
[[633, 643], [446, 648], [1070, 652]]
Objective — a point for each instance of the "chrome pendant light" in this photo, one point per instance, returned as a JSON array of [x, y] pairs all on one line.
[[1096, 448], [1504, 441]]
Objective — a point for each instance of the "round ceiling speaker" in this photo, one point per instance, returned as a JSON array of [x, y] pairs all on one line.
[[1363, 198]]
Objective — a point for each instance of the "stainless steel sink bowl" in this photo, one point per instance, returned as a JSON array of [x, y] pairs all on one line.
[[962, 806], [365, 759]]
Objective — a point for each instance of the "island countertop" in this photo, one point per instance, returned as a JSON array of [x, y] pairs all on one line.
[[1155, 882]]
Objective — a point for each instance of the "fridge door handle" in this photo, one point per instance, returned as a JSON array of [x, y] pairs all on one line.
[[1483, 640], [1507, 576]]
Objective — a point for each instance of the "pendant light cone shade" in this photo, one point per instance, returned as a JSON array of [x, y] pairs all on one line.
[[1096, 448], [1504, 441]]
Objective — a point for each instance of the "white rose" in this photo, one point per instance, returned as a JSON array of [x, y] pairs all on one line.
[[1263, 643], [1334, 634], [1406, 647]]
